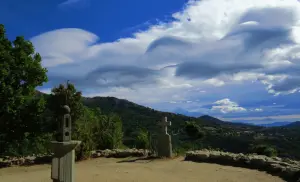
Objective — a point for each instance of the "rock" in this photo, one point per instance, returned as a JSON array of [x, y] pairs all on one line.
[[43, 160], [243, 159], [290, 172], [276, 159], [5, 164], [94, 154], [120, 153], [286, 168], [197, 156], [214, 155], [258, 161]]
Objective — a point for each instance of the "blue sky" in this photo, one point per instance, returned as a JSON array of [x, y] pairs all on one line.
[[110, 20], [235, 60]]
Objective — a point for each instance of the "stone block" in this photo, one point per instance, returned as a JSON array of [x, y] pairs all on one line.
[[164, 146]]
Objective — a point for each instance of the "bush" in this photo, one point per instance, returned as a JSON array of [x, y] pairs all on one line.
[[142, 140], [84, 131], [264, 150], [109, 134], [193, 130], [29, 145]]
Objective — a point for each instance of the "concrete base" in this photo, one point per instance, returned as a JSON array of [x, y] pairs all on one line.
[[61, 148], [62, 169], [164, 146]]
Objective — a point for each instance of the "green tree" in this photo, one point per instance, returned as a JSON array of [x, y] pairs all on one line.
[[65, 95], [84, 131], [193, 130], [109, 132], [20, 73], [142, 139], [262, 149]]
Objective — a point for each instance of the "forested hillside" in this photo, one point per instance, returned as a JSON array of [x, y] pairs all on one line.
[[217, 134]]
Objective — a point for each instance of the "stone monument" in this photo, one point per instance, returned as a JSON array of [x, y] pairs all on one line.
[[164, 142], [63, 161]]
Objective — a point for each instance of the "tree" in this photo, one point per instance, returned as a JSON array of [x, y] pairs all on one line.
[[20, 73], [66, 95], [109, 132], [60, 96], [142, 139], [84, 131], [262, 149], [193, 130]]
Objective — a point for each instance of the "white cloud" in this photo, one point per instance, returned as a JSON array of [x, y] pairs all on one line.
[[64, 46], [211, 45], [258, 109], [73, 2], [226, 106], [70, 2], [291, 117]]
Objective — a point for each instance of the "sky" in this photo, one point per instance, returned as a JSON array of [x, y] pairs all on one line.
[[235, 60]]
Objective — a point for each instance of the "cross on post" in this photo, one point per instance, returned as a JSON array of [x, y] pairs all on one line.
[[164, 124], [67, 92]]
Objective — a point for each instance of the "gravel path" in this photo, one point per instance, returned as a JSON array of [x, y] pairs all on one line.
[[114, 170]]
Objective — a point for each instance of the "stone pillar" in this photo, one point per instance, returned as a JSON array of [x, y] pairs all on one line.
[[164, 142], [63, 161]]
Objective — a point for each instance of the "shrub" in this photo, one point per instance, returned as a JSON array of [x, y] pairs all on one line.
[[142, 140], [264, 150], [193, 130]]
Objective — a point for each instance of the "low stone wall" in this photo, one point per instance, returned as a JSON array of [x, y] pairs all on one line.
[[24, 161], [285, 168], [119, 153], [46, 159]]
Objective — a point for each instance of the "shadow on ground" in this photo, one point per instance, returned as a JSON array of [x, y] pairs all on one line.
[[139, 160]]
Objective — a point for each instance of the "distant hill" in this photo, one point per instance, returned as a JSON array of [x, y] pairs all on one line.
[[147, 117], [275, 124], [227, 136], [293, 125], [186, 113]]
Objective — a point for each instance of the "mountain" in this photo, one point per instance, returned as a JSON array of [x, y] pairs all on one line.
[[147, 117], [227, 136], [214, 120], [218, 134], [275, 124], [293, 125], [133, 115], [186, 113]]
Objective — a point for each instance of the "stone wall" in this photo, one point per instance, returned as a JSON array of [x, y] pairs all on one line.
[[285, 168], [120, 153], [46, 159]]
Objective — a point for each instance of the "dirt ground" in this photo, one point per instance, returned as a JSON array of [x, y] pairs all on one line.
[[122, 170]]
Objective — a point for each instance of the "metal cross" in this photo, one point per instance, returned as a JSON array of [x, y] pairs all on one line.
[[67, 92]]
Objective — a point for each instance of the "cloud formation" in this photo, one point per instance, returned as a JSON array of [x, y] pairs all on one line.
[[210, 45], [74, 2], [226, 105]]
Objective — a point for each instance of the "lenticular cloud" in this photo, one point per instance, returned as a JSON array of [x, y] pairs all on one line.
[[209, 41], [233, 37]]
